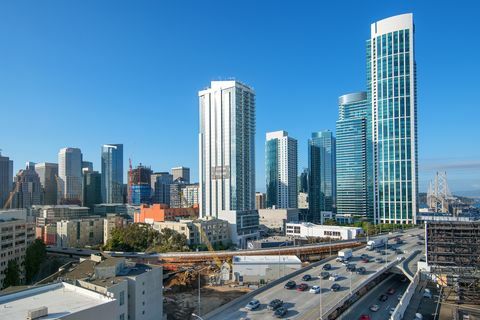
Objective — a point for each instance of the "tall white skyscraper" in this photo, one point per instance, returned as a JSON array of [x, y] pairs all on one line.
[[392, 92], [69, 176], [227, 157], [112, 173], [281, 167]]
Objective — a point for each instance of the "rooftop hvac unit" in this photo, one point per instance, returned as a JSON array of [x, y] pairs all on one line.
[[37, 313]]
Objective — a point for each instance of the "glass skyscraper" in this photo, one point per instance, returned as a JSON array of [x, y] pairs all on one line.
[[321, 180], [112, 173], [351, 154], [392, 93]]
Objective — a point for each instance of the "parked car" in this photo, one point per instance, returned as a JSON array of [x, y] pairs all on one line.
[[333, 277], [275, 304], [307, 277], [280, 312], [361, 270], [315, 289], [374, 308], [252, 305], [391, 291], [325, 274], [335, 287], [383, 298], [302, 287], [290, 285], [327, 266]]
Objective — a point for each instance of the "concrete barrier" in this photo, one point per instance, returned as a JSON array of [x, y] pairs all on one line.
[[407, 296]]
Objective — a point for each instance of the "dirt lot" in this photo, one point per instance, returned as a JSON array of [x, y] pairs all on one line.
[[180, 305]]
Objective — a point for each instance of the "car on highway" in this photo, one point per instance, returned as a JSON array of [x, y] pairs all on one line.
[[374, 307], [420, 243], [252, 305], [307, 277], [383, 298], [363, 256], [391, 291], [364, 317], [280, 312], [351, 267], [366, 260], [335, 287], [399, 297], [379, 260], [361, 270], [327, 266], [324, 274], [315, 289], [383, 253], [391, 311], [275, 304], [399, 251], [345, 263], [333, 277], [302, 287], [290, 285]]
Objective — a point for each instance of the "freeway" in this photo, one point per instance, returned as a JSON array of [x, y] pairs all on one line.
[[305, 305], [361, 307]]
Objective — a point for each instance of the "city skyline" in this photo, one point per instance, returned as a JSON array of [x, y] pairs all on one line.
[[463, 167]]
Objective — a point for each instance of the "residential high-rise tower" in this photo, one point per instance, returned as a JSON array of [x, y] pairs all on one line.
[[112, 173]]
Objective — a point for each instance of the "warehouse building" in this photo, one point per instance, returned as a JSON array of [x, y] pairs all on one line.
[[263, 269], [310, 230]]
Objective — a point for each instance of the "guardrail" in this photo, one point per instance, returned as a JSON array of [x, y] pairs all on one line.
[[407, 296]]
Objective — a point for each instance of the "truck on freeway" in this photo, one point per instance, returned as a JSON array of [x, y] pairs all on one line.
[[344, 254], [379, 242]]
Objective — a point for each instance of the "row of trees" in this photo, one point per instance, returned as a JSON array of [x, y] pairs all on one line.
[[142, 237]]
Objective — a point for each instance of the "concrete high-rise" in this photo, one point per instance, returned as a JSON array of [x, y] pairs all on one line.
[[321, 180], [351, 157], [112, 173], [227, 157], [182, 173], [6, 179], [27, 190], [69, 176], [391, 79], [48, 173], [281, 168]]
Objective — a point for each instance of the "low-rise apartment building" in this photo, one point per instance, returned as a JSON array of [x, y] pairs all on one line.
[[80, 232]]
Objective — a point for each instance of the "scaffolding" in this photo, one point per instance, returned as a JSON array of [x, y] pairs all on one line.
[[453, 254]]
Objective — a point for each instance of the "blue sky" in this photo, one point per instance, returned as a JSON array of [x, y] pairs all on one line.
[[85, 73]]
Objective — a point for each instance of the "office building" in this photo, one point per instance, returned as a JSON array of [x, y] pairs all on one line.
[[48, 173], [321, 180], [281, 169], [69, 176], [182, 173], [227, 157], [391, 78], [27, 190], [92, 188], [190, 192], [160, 184], [59, 300], [80, 232], [303, 181], [260, 200], [140, 185], [310, 230], [351, 155], [87, 166], [52, 214], [112, 173], [276, 219], [103, 209], [17, 233], [6, 179], [162, 212]]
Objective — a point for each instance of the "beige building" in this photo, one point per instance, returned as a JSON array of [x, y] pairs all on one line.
[[112, 221], [260, 200], [216, 230], [53, 214], [302, 200], [276, 219], [80, 233], [16, 234], [136, 287]]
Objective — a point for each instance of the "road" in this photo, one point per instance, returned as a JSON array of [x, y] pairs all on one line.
[[362, 306], [305, 305]]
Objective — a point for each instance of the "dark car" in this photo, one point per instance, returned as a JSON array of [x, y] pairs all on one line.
[[307, 277], [366, 260], [363, 256], [327, 266], [351, 268], [325, 274], [383, 253], [379, 260], [399, 251], [335, 287], [361, 270], [383, 298], [275, 304], [420, 243], [391, 291], [280, 312], [290, 285], [302, 287]]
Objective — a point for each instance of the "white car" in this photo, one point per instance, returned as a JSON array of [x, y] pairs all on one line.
[[374, 308], [252, 305], [333, 277], [314, 289], [391, 310]]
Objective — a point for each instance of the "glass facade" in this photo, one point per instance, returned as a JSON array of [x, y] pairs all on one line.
[[271, 172], [112, 173], [321, 164], [392, 89], [351, 154]]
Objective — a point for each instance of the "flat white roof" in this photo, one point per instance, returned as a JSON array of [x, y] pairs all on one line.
[[322, 226], [61, 299], [266, 260]]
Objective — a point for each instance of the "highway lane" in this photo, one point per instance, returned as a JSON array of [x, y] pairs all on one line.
[[362, 306], [305, 305]]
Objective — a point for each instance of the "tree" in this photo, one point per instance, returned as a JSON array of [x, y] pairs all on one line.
[[12, 274], [35, 255]]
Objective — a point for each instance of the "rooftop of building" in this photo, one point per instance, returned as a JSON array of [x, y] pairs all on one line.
[[322, 226], [266, 259], [61, 299]]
